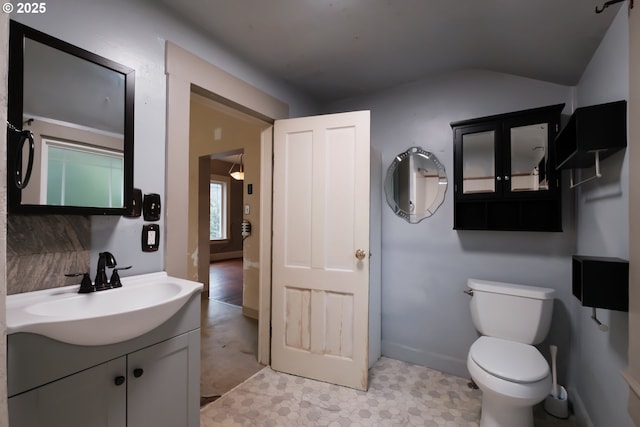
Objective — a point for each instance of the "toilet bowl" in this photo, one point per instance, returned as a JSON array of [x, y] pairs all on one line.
[[512, 376]]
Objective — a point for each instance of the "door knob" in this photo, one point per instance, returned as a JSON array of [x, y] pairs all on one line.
[[360, 254]]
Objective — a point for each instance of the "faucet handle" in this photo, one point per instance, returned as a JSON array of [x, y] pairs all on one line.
[[86, 286], [115, 277]]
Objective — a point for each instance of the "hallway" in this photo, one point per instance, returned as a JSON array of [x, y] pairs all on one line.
[[229, 339], [225, 279]]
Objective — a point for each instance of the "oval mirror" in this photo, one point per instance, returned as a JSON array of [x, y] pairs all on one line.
[[415, 184]]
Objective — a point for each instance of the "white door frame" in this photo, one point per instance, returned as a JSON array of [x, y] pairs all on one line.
[[186, 73]]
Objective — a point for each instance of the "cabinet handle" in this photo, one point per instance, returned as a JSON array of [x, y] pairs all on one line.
[[138, 372], [506, 177], [119, 380], [498, 178]]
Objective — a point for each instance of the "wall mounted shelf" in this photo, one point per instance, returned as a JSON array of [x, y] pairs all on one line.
[[601, 282], [592, 134]]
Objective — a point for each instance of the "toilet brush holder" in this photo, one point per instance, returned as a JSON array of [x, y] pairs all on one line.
[[558, 406]]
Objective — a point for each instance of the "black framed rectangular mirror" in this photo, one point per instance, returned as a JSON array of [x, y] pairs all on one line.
[[70, 128]]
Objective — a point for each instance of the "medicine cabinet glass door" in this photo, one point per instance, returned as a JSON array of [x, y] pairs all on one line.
[[497, 160], [529, 158], [478, 155]]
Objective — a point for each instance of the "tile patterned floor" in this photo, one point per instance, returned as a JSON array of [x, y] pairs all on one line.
[[400, 394]]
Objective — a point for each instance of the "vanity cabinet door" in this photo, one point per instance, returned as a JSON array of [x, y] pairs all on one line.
[[95, 397], [164, 383]]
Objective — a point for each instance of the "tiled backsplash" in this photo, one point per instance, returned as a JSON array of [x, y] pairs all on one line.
[[42, 248]]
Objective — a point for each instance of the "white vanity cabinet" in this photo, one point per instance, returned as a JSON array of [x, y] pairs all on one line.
[[152, 380], [159, 382], [89, 398]]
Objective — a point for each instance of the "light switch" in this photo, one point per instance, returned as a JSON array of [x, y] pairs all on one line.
[[247, 209], [150, 237]]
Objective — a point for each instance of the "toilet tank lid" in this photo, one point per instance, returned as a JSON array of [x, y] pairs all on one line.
[[511, 289]]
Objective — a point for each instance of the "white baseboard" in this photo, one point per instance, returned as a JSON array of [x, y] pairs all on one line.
[[435, 361], [221, 256], [250, 312], [579, 411]]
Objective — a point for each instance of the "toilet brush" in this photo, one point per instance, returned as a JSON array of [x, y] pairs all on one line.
[[554, 353], [556, 403]]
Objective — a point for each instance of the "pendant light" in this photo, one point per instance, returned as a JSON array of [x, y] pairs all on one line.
[[237, 175]]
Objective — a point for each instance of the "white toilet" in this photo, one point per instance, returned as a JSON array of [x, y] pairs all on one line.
[[510, 371]]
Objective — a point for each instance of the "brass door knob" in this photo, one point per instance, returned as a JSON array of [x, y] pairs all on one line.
[[360, 254]]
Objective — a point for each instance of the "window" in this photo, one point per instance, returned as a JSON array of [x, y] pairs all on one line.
[[218, 208], [74, 174]]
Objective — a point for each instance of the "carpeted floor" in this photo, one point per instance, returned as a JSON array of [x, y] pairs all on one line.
[[228, 348], [400, 394]]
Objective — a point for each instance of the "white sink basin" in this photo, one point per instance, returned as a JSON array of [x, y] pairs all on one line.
[[143, 303]]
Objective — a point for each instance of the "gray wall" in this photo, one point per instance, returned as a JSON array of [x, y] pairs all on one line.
[[602, 219], [425, 266]]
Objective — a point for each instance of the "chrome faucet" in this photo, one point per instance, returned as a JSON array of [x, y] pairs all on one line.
[[105, 259]]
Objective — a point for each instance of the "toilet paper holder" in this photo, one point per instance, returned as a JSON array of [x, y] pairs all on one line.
[[601, 326]]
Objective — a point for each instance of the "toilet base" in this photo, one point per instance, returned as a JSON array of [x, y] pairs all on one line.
[[496, 414]]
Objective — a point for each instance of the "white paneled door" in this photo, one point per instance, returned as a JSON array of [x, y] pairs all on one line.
[[320, 278]]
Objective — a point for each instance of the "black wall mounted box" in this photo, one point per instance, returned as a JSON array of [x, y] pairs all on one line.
[[601, 282], [601, 128]]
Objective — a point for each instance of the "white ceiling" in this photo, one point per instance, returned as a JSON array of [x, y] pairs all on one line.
[[335, 49]]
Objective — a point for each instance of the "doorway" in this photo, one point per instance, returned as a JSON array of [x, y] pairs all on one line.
[[186, 74], [227, 258], [225, 228], [229, 339]]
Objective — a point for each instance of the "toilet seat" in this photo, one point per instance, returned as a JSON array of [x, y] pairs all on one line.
[[509, 360]]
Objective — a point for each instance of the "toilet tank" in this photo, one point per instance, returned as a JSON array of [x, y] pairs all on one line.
[[509, 311]]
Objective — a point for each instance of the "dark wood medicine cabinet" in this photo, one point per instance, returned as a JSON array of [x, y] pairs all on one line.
[[504, 171]]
